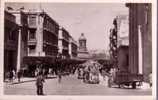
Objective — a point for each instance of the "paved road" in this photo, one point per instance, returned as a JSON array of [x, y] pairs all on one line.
[[70, 85]]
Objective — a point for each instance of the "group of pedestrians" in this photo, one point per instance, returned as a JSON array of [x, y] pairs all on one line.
[[12, 75]]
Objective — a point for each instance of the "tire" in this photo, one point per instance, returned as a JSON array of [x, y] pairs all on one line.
[[134, 85]]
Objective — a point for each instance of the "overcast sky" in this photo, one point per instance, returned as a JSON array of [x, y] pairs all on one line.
[[92, 19]]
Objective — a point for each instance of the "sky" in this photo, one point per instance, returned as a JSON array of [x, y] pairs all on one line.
[[92, 19]]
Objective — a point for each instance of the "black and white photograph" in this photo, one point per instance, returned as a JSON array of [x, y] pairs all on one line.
[[78, 49]]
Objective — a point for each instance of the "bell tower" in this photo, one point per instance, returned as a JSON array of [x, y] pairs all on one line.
[[82, 50], [82, 43]]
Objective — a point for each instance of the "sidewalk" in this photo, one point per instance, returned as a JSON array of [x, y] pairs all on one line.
[[22, 80], [25, 79]]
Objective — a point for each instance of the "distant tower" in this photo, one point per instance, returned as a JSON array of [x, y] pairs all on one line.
[[82, 50], [82, 43]]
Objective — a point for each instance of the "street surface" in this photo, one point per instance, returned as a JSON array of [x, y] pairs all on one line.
[[70, 85]]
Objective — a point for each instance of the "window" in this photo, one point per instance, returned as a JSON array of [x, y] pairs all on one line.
[[32, 34], [12, 35], [32, 20], [31, 49]]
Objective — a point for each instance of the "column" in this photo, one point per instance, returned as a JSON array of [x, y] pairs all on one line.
[[19, 51], [140, 68]]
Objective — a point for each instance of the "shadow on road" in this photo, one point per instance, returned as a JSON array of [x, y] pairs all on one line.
[[25, 81]]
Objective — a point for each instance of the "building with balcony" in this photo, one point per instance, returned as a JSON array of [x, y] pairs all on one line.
[[72, 48], [63, 43], [11, 30], [42, 35]]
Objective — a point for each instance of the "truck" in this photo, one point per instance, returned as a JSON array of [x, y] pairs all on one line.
[[122, 75]]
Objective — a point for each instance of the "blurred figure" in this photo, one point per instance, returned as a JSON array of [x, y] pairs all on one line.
[[150, 79], [39, 84], [11, 76], [59, 76], [19, 74], [14, 74]]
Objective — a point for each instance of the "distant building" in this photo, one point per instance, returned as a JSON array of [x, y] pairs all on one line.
[[10, 42], [82, 50], [140, 38], [72, 48]]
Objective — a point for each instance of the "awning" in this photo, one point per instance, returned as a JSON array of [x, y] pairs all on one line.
[[38, 60]]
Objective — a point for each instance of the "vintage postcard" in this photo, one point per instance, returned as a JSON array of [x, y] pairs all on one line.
[[78, 50]]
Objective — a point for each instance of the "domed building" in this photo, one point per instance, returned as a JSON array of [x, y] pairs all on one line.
[[82, 50]]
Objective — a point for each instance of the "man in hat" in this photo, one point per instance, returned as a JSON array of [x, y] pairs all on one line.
[[39, 84]]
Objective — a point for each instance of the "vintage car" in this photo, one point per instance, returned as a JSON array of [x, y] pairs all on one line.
[[124, 79]]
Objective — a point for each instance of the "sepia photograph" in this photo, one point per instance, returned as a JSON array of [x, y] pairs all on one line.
[[83, 49]]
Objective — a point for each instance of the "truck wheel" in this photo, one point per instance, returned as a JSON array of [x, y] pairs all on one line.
[[134, 85]]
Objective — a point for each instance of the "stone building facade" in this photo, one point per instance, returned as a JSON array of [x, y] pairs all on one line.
[[10, 42], [140, 38]]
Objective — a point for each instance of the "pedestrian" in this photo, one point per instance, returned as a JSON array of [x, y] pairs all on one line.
[[39, 84], [14, 74], [11, 76], [150, 79], [19, 74], [59, 76]]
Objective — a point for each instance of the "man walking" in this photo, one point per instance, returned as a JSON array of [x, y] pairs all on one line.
[[39, 84]]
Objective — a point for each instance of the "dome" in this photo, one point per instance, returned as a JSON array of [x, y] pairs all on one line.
[[82, 37]]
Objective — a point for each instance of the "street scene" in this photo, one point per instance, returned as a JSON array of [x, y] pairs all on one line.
[[77, 49]]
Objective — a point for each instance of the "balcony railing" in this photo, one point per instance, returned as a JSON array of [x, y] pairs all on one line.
[[32, 42]]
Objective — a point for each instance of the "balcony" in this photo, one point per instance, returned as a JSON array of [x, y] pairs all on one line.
[[32, 42]]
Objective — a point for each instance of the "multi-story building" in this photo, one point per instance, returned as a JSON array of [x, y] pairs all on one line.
[[72, 48], [10, 42], [36, 39], [140, 40], [63, 43], [43, 34]]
